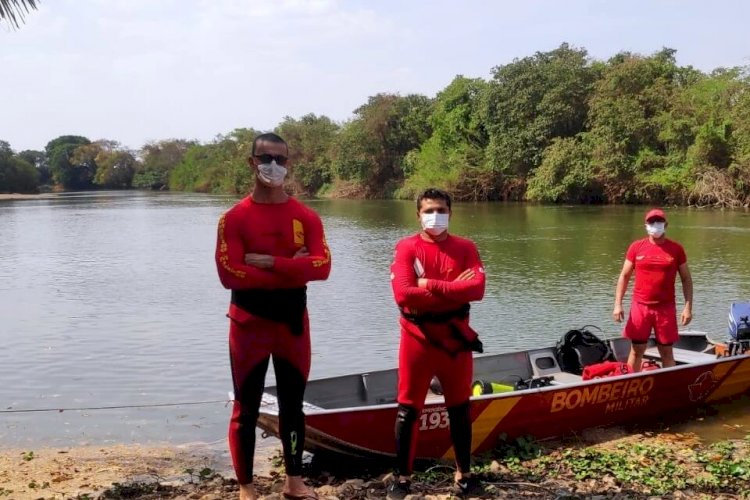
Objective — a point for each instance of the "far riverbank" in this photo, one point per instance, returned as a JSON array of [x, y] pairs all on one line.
[[19, 196]]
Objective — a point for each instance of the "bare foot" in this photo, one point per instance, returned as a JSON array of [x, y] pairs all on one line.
[[459, 476], [247, 492], [295, 487]]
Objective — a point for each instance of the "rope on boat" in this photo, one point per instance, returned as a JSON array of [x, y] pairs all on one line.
[[114, 407], [268, 401]]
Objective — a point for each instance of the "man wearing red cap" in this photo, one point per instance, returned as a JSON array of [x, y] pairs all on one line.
[[656, 261]]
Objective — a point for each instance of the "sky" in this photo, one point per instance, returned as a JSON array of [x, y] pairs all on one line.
[[136, 71]]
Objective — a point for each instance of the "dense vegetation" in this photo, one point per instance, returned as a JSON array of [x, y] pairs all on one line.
[[554, 127]]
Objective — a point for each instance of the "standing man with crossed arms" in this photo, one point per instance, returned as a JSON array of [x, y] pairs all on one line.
[[434, 276], [269, 247]]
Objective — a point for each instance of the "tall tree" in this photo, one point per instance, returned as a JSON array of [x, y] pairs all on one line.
[[65, 171], [309, 140], [158, 159], [16, 174], [453, 156], [370, 150], [625, 112], [218, 167], [39, 160], [533, 100]]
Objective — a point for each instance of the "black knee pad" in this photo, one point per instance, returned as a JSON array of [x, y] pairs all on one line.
[[406, 414]]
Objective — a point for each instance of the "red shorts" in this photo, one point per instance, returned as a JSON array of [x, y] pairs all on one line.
[[419, 361], [662, 318]]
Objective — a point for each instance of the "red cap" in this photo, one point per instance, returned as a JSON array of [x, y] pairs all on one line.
[[656, 213]]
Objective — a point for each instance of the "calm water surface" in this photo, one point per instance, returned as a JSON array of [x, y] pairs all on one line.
[[112, 298]]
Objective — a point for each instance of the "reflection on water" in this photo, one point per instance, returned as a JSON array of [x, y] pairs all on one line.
[[112, 298]]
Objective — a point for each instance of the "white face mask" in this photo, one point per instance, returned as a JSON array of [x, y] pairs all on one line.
[[434, 223], [655, 229], [272, 174]]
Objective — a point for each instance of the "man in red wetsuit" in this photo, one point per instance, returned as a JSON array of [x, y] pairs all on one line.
[[656, 261], [434, 276], [269, 246]]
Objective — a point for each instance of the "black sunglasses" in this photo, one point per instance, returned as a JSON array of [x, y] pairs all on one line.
[[266, 158]]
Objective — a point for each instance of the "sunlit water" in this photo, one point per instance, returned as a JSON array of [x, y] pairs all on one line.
[[112, 299]]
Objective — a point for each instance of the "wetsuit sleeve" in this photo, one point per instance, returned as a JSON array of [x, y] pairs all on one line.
[[230, 261], [316, 266], [467, 290], [404, 281]]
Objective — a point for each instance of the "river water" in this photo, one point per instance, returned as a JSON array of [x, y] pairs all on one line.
[[112, 299]]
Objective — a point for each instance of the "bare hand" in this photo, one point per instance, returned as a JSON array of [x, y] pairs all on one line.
[[618, 314], [686, 317], [302, 252], [259, 260], [422, 282], [466, 275]]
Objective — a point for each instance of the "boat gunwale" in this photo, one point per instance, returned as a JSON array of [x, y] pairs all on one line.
[[520, 393]]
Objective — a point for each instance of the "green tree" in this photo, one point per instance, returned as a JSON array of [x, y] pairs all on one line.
[[566, 174], [218, 167], [65, 172], [310, 139], [532, 101], [453, 157], [625, 110], [158, 159], [717, 111], [115, 167], [16, 174], [369, 152], [39, 160], [354, 158]]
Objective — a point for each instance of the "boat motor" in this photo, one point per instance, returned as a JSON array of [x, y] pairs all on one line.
[[739, 328]]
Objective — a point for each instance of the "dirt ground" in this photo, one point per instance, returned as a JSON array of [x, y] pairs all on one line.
[[191, 472], [70, 472]]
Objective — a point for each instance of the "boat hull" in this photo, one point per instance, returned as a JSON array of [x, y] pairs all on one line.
[[542, 413]]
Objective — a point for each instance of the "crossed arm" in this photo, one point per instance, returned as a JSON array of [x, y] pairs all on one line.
[[417, 293], [238, 270]]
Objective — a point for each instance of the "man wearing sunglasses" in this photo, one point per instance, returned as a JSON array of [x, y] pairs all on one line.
[[269, 246]]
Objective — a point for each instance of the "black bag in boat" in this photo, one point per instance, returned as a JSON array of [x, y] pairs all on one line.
[[580, 348]]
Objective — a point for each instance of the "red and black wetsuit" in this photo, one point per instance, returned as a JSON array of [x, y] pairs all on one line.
[[269, 318], [435, 345]]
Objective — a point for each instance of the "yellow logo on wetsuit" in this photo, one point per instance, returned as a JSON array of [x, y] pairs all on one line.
[[299, 232]]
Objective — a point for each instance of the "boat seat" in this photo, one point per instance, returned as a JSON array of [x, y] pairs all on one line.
[[682, 355], [544, 364]]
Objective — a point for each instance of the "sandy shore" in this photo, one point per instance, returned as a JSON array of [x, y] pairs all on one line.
[[17, 196], [73, 472], [69, 472], [624, 465]]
